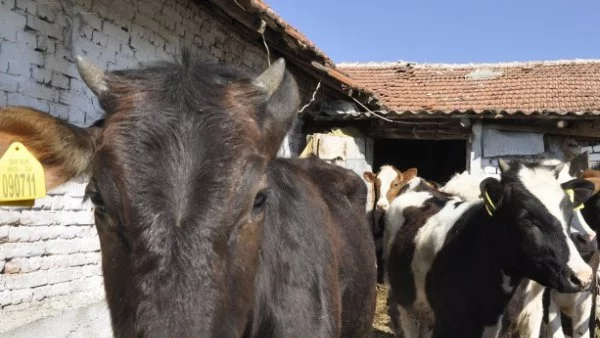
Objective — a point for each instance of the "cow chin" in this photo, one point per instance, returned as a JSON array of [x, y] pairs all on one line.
[[564, 281]]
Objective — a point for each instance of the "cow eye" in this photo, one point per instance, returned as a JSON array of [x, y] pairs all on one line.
[[91, 192], [260, 200]]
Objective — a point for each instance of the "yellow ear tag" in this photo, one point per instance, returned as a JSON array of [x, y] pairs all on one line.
[[21, 177], [571, 194], [491, 207]]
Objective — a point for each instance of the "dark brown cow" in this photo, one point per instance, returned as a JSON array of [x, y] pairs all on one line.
[[203, 232]]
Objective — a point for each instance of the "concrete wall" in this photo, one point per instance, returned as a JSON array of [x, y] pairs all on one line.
[[552, 148], [49, 254]]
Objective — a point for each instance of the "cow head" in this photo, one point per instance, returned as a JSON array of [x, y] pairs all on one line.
[[178, 179], [532, 215], [388, 184]]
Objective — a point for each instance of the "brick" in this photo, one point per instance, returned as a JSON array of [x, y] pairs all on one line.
[[11, 23], [21, 296], [5, 297], [22, 53], [46, 12], [12, 250], [26, 280], [89, 244], [45, 44], [3, 99], [74, 101], [60, 65], [91, 270], [41, 74], [55, 276], [28, 6], [4, 229], [148, 8], [7, 4], [28, 264], [60, 81], [100, 8], [33, 217], [93, 20], [125, 10], [596, 149], [9, 83], [61, 246], [41, 292], [18, 99], [73, 188], [60, 289], [99, 38], [86, 32], [19, 234], [28, 38], [43, 27], [11, 268], [38, 91], [92, 258], [115, 31], [76, 217]]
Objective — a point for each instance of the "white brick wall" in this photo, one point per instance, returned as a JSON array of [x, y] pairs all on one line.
[[52, 249]]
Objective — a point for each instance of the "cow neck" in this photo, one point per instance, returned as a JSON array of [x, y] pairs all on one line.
[[493, 245]]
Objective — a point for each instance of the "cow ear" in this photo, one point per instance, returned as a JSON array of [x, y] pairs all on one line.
[[580, 190], [64, 150], [409, 174], [283, 100], [369, 176], [491, 192], [578, 164]]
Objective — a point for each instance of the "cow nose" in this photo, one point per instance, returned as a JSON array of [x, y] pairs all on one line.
[[592, 238], [583, 276], [585, 243], [382, 206]]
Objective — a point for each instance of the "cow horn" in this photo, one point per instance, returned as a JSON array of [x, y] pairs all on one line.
[[504, 166], [271, 78], [92, 75]]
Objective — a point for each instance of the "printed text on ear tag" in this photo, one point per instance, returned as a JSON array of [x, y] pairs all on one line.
[[21, 176]]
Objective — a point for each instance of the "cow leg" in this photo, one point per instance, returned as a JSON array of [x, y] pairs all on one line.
[[409, 326], [554, 324], [581, 316]]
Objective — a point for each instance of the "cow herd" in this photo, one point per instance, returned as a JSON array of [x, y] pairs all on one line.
[[204, 232], [474, 257]]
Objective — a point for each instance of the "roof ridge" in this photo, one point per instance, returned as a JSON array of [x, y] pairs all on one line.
[[400, 63]]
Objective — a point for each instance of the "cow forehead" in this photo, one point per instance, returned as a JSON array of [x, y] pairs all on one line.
[[542, 183], [387, 175]]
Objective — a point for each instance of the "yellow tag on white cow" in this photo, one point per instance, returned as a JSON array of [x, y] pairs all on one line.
[[21, 175]]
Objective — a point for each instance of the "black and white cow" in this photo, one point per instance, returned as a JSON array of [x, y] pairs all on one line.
[[453, 265], [524, 314]]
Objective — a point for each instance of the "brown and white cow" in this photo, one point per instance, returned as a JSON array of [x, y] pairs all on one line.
[[387, 185], [453, 265], [203, 232]]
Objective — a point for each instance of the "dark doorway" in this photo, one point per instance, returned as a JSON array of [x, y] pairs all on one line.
[[435, 160]]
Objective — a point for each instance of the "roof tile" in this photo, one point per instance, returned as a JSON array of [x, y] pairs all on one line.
[[559, 87]]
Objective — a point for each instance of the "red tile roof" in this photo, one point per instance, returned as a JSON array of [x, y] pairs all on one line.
[[555, 87]]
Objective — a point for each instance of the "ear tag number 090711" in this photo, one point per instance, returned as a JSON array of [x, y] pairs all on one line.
[[21, 176]]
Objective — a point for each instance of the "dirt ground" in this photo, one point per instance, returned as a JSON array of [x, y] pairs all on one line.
[[381, 323]]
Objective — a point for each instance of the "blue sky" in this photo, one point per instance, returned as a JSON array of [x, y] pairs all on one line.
[[448, 31]]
